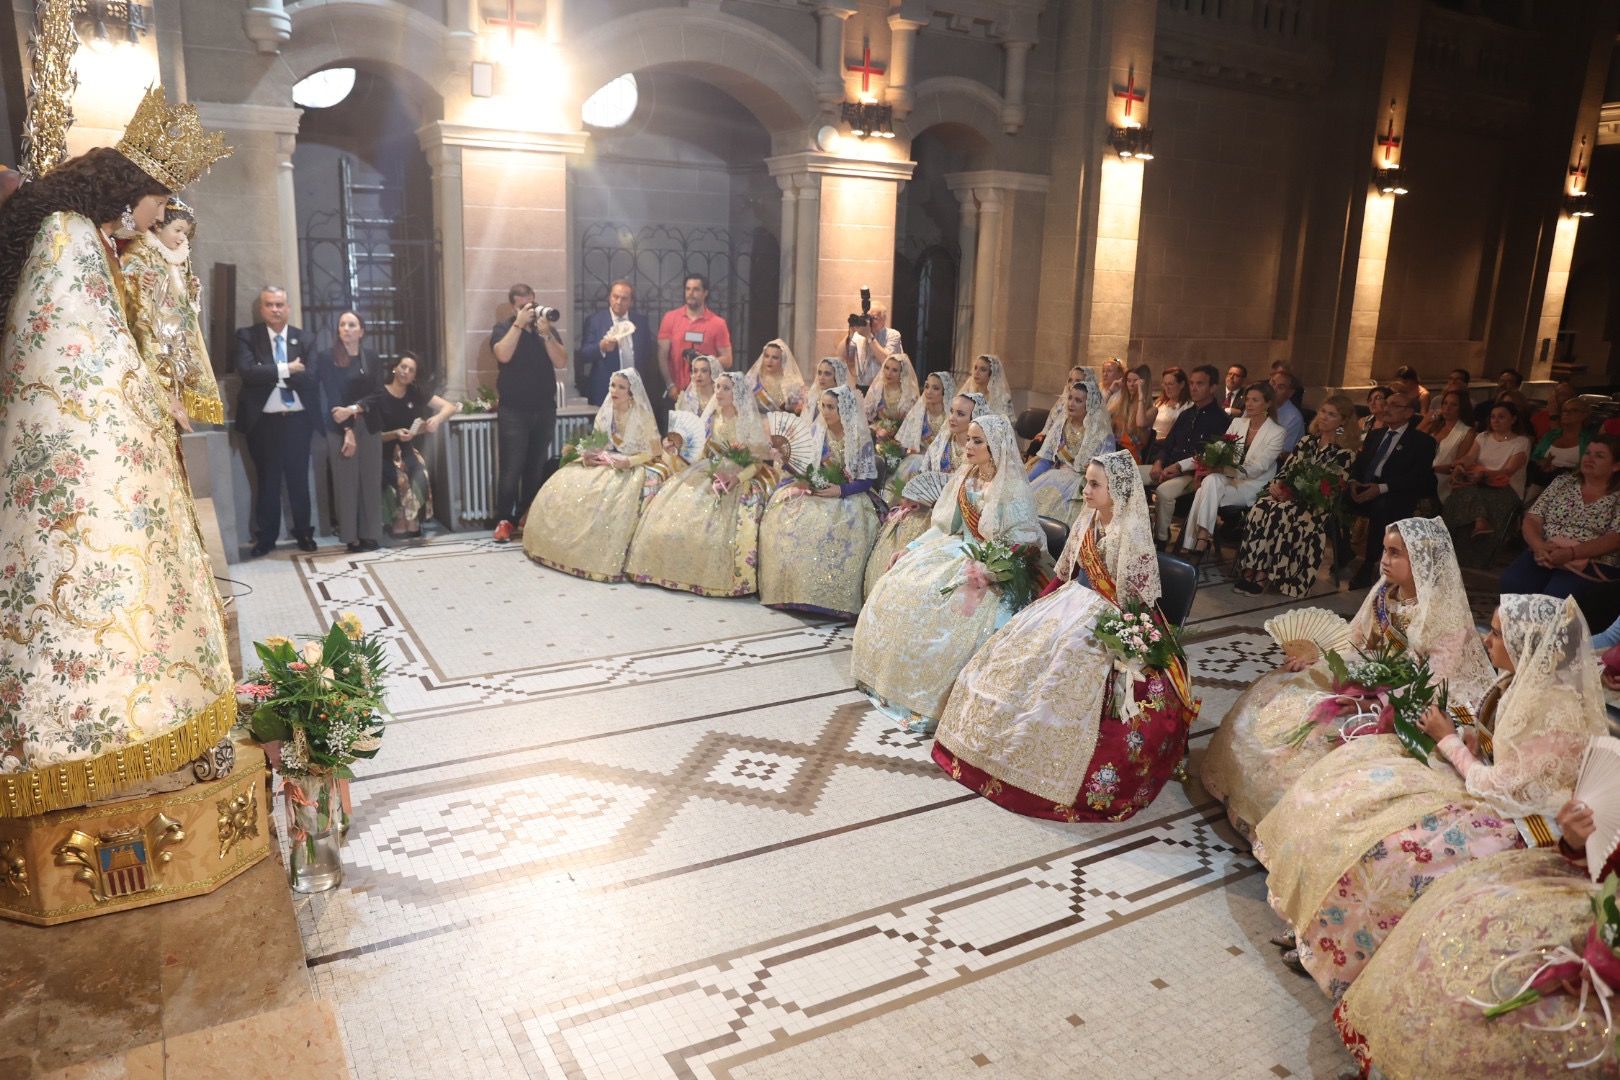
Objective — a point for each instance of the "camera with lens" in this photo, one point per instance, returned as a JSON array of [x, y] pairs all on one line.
[[550, 314], [864, 319], [689, 354]]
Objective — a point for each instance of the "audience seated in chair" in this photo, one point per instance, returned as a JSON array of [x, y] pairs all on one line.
[[1393, 471]]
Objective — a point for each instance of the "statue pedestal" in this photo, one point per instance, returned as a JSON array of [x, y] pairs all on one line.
[[128, 853]]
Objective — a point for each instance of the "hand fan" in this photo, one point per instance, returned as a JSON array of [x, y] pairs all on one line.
[[1317, 626], [925, 488], [1599, 789], [791, 436], [690, 429]]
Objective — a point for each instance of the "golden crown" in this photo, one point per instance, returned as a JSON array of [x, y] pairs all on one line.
[[168, 143]]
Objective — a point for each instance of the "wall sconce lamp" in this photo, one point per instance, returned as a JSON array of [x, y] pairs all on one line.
[[1576, 206], [1389, 180], [869, 120], [97, 21], [1132, 142]]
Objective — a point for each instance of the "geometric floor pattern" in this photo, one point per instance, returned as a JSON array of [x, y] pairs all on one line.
[[621, 832]]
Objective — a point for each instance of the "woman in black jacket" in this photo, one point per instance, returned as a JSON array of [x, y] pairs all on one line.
[[348, 374]]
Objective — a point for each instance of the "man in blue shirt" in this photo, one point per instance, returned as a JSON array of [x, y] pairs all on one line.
[[1285, 386]]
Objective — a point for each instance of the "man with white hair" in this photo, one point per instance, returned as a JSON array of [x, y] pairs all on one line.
[[274, 413]]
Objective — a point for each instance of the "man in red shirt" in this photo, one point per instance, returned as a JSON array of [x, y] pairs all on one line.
[[692, 327]]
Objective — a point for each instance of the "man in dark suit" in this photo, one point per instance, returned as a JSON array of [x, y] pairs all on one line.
[[274, 412], [620, 337], [1393, 471], [1170, 466]]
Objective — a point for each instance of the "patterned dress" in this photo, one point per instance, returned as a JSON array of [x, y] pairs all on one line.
[[1034, 724], [1285, 541]]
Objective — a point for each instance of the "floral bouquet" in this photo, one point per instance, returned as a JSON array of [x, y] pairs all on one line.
[[1361, 702], [890, 453], [318, 708], [482, 402], [1011, 569], [1315, 485], [726, 465], [1140, 639], [590, 445], [1220, 454], [1595, 969], [830, 473]]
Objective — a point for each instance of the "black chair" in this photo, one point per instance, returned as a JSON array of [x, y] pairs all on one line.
[[1057, 534], [1030, 423], [1178, 586]]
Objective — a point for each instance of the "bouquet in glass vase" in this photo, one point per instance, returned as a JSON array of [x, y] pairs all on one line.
[[1012, 570], [590, 445], [1220, 454], [1317, 486], [726, 466], [317, 708]]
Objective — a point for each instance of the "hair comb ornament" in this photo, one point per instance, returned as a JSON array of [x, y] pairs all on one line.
[[168, 143]]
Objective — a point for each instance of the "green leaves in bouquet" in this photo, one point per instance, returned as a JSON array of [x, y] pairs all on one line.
[[591, 442], [891, 453], [830, 473], [1011, 567], [1336, 665], [1410, 702]]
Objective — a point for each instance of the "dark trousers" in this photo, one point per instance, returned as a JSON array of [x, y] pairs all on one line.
[[1380, 513], [1599, 600], [525, 445], [279, 446]]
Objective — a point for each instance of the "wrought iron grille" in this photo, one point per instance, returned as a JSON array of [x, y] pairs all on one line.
[[657, 258]]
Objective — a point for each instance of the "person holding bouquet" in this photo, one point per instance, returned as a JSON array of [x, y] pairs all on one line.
[[581, 522], [1048, 719], [1418, 608], [911, 502], [929, 416], [700, 532], [888, 401], [978, 564], [1367, 829], [819, 527], [1083, 433], [1235, 474], [1478, 936], [1287, 533], [775, 381]]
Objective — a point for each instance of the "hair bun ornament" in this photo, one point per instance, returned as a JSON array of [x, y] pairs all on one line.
[[168, 143]]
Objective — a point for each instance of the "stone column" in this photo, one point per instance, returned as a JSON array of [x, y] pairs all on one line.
[[444, 163], [267, 24], [968, 242], [984, 267], [830, 16], [789, 264], [902, 48], [462, 41], [806, 249], [246, 204], [991, 206], [1012, 106]]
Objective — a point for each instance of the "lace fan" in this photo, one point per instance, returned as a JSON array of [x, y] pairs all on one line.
[[690, 428], [791, 436], [925, 488], [1599, 789], [1318, 627]]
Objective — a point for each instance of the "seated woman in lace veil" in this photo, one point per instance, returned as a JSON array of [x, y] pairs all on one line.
[[1082, 433], [1476, 937], [1059, 411], [928, 418], [889, 400], [1039, 721], [913, 638], [913, 501], [830, 372], [581, 522], [987, 378], [1368, 828], [700, 533], [1418, 604], [695, 398], [818, 530], [775, 382]]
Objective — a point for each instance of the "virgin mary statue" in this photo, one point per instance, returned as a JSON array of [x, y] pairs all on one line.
[[113, 665]]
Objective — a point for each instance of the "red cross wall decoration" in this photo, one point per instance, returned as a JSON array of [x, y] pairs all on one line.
[[511, 23], [1129, 91], [866, 68]]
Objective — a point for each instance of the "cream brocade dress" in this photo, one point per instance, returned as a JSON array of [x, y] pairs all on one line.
[[696, 541], [113, 656], [912, 641], [1410, 1007], [1250, 764], [813, 551], [582, 521], [899, 530]]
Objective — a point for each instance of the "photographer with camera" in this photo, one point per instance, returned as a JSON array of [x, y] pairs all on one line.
[[870, 341], [527, 388], [690, 331]]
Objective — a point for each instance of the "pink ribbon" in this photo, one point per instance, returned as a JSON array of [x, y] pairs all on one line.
[[1596, 969], [977, 583]]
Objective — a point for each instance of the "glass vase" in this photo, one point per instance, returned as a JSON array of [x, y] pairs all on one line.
[[315, 813]]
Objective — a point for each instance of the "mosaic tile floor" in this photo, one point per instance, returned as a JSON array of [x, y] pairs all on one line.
[[619, 832]]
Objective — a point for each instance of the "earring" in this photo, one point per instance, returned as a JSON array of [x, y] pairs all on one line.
[[127, 219]]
